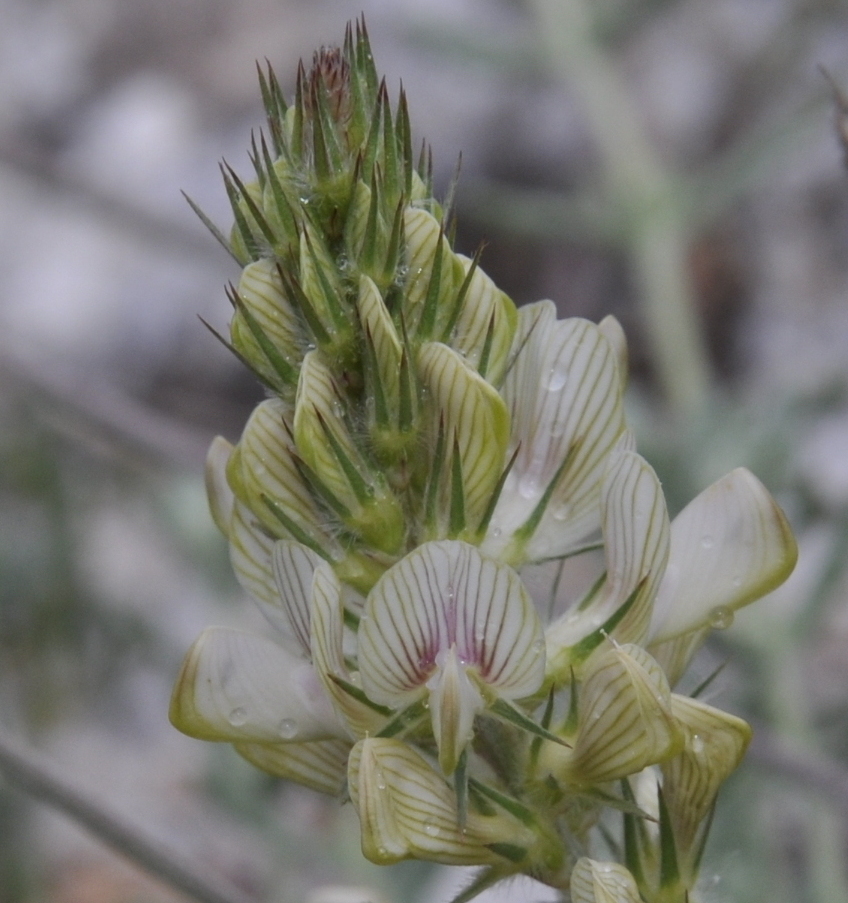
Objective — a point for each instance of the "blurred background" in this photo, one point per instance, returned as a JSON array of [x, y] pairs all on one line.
[[678, 163]]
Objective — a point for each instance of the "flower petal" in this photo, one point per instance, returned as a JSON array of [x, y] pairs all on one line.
[[611, 328], [602, 882], [261, 293], [239, 686], [423, 234], [454, 703], [293, 566], [729, 546], [625, 721], [327, 648], [359, 493], [675, 654], [564, 397], [318, 764], [263, 467], [715, 744], [440, 595], [635, 528], [250, 554], [407, 809], [221, 498], [473, 416], [488, 316]]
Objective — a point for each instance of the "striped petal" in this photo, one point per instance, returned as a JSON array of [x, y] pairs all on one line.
[[378, 324], [625, 721], [441, 615], [486, 324], [250, 554], [473, 418], [263, 468], [715, 744], [407, 809], [635, 528], [602, 882], [293, 566], [359, 493], [239, 686], [729, 546], [327, 649], [261, 293], [423, 235], [221, 498], [564, 397], [318, 764]]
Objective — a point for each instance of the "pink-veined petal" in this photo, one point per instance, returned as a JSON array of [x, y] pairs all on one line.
[[447, 594]]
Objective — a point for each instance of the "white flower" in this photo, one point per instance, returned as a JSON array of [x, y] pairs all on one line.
[[667, 585], [455, 627], [564, 395]]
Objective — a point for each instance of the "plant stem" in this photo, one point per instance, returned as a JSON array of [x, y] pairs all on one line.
[[658, 236], [24, 768]]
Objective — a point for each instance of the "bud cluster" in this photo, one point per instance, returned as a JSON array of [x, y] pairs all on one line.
[[423, 440]]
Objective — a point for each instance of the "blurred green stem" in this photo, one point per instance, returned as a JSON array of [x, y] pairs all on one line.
[[658, 237], [24, 768], [790, 716]]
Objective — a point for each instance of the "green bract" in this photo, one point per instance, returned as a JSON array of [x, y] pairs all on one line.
[[423, 441]]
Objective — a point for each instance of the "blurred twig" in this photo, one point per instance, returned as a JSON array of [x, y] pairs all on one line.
[[658, 235], [26, 769]]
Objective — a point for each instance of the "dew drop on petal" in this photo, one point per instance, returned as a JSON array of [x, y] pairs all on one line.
[[697, 745], [238, 716], [288, 728], [737, 580], [721, 618], [528, 486], [431, 830], [562, 511], [555, 378]]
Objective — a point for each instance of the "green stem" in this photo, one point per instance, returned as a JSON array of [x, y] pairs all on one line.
[[25, 769], [658, 235]]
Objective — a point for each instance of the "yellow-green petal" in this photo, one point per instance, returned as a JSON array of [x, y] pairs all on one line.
[[474, 422], [602, 882], [407, 809], [729, 546], [239, 686], [715, 744], [625, 721], [318, 764]]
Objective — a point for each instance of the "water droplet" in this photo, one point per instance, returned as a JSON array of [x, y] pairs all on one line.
[[721, 618], [288, 728], [697, 745], [496, 532], [562, 511], [707, 541], [237, 717], [528, 486], [538, 647], [737, 580], [382, 851], [555, 379], [432, 830]]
